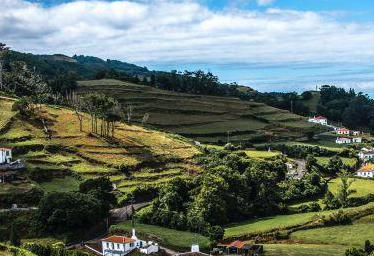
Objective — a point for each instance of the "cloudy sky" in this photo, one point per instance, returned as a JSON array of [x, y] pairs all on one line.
[[271, 45]]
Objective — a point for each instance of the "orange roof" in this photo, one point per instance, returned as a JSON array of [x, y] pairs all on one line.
[[4, 148], [237, 244], [367, 168], [343, 130], [320, 117], [118, 239]]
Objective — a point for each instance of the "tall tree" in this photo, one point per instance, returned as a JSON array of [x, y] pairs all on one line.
[[3, 51]]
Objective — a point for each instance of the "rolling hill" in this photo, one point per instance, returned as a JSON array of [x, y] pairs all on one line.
[[209, 119], [69, 156]]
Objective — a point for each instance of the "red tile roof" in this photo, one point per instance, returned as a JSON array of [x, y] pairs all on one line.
[[118, 239], [343, 130], [237, 244], [367, 168], [4, 148], [320, 117]]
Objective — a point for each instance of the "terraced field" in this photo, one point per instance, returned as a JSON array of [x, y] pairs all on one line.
[[204, 118], [69, 156]]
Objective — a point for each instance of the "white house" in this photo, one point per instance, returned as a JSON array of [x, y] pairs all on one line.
[[150, 248], [366, 154], [357, 140], [318, 120], [343, 141], [356, 133], [342, 131], [367, 171], [5, 155], [121, 245]]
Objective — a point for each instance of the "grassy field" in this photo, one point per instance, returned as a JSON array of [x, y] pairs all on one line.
[[204, 118], [279, 221], [145, 151], [363, 187], [303, 250], [350, 235], [351, 162], [167, 237], [261, 154]]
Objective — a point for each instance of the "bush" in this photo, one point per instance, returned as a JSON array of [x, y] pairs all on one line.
[[338, 218]]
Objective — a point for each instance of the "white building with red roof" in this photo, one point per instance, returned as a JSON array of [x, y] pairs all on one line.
[[5, 155], [318, 120], [342, 131], [121, 245], [366, 171], [343, 141]]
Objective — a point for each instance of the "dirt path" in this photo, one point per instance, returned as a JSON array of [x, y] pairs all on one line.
[[121, 214]]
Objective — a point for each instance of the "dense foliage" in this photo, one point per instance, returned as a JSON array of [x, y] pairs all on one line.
[[233, 187]]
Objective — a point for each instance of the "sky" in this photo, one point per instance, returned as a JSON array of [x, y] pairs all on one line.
[[269, 45]]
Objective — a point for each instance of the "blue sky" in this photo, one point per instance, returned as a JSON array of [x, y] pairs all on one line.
[[270, 45]]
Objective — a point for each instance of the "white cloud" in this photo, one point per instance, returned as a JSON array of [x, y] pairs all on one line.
[[184, 32]]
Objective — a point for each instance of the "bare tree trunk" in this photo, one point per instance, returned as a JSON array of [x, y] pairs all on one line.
[[80, 118], [113, 128]]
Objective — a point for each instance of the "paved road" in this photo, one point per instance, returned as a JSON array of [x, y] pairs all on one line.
[[18, 209], [301, 168], [120, 214]]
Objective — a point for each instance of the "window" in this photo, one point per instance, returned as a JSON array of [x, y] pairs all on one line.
[[117, 246], [107, 245], [131, 244]]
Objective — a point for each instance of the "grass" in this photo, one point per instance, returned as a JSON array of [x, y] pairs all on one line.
[[350, 235], [6, 112], [303, 250], [279, 221], [167, 237], [351, 162], [66, 184], [362, 186], [261, 154], [201, 117], [148, 151]]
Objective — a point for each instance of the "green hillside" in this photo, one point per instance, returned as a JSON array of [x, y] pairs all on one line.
[[70, 156], [204, 118]]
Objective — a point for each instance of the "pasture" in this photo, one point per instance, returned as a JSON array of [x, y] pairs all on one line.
[[179, 240], [208, 119]]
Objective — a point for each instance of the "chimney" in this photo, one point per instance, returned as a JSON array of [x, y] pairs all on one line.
[[133, 234]]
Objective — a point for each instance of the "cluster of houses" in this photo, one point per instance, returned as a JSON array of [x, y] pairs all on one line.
[[345, 136], [122, 245], [367, 170]]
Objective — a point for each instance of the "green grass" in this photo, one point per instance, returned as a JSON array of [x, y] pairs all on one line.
[[204, 118], [303, 250], [167, 237], [351, 162], [279, 221], [362, 186], [66, 184], [350, 235], [261, 154]]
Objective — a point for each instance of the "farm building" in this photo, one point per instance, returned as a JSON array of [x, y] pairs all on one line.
[[357, 140], [366, 154], [121, 245], [367, 171], [343, 140], [318, 120], [343, 131], [5, 155], [356, 133], [242, 248]]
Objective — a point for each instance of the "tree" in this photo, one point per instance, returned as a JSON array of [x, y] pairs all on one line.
[[216, 234], [145, 118], [344, 190], [129, 112], [330, 201], [60, 212], [14, 237], [334, 166], [3, 51], [368, 248]]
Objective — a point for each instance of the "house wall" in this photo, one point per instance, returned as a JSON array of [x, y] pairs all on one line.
[[109, 246], [366, 174], [5, 156]]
